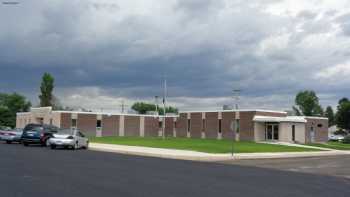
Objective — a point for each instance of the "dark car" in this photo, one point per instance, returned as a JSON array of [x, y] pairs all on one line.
[[38, 134]]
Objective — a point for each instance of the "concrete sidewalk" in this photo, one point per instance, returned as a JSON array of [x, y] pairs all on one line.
[[199, 156]]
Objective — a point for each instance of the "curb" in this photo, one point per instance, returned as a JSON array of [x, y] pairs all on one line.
[[207, 157]]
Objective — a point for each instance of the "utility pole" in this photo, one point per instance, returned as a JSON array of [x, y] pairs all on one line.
[[235, 125], [164, 105], [123, 106]]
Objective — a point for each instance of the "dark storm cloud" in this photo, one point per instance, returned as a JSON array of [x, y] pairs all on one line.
[[204, 48]]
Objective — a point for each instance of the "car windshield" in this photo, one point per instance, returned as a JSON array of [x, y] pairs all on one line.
[[33, 128], [66, 132]]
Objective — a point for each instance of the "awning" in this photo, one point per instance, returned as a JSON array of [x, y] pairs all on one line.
[[300, 119]]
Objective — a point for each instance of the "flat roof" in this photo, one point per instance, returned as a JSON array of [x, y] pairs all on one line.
[[235, 110], [300, 119]]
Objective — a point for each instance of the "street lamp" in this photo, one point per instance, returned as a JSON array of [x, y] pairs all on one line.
[[234, 125]]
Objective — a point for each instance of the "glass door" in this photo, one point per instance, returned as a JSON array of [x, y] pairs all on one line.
[[269, 132], [272, 132]]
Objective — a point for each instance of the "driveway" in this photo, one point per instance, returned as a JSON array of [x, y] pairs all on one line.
[[37, 171]]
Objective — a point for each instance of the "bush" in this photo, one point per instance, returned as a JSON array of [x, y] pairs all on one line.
[[346, 139]]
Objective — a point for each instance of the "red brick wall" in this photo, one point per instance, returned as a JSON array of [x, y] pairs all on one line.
[[87, 124], [66, 121], [227, 119], [246, 126], [169, 126], [321, 133], [211, 125], [151, 127], [181, 130], [196, 125], [132, 126], [110, 125]]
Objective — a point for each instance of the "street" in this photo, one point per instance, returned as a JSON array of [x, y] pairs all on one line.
[[36, 171]]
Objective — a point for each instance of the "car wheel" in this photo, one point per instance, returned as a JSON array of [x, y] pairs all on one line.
[[8, 142], [53, 146], [47, 142], [87, 145]]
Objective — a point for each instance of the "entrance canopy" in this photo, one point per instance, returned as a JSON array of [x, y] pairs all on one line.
[[300, 119]]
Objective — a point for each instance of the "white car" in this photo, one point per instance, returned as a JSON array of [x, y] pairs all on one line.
[[73, 139], [335, 138]]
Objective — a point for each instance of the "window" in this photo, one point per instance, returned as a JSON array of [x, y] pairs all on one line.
[[203, 125], [74, 122], [175, 124], [160, 124], [188, 125], [293, 132], [219, 125], [99, 124], [80, 134], [237, 126], [319, 125]]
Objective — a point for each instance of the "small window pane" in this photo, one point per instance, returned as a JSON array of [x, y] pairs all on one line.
[[99, 123]]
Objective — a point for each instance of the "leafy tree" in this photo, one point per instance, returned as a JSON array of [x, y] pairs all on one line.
[[143, 108], [10, 104], [330, 115], [343, 114], [46, 88], [307, 104]]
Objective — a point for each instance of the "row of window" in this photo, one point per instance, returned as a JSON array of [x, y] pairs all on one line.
[[203, 125]]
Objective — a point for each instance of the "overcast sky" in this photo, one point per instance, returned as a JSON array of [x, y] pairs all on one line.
[[104, 51]]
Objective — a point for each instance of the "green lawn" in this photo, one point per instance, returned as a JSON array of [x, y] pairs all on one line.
[[333, 145], [201, 145]]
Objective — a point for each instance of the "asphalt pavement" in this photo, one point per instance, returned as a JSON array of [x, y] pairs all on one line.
[[37, 171]]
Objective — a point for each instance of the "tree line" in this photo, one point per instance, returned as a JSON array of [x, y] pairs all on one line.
[[307, 104]]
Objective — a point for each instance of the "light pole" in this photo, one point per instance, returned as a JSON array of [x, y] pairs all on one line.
[[234, 126], [164, 111], [156, 101]]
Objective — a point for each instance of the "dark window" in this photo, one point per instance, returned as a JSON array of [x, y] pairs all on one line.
[[188, 125], [203, 125], [237, 126], [219, 125], [80, 134], [99, 124], [293, 132], [175, 124], [160, 124], [319, 125], [74, 122]]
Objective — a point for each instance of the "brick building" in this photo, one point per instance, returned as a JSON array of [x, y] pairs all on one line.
[[246, 125]]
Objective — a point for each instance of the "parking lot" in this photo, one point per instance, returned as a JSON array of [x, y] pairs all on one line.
[[37, 171], [331, 166]]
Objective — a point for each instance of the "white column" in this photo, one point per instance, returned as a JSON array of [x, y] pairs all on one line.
[[121, 126], [142, 126]]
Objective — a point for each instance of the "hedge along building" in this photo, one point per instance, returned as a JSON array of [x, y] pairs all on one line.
[[246, 125]]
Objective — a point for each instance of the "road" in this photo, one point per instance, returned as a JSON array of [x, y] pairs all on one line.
[[37, 171]]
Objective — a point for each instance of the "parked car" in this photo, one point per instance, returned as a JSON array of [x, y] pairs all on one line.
[[346, 139], [69, 138], [38, 134], [336, 138], [4, 129], [11, 135]]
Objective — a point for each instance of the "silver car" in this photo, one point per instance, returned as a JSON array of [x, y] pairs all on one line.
[[11, 135], [67, 138]]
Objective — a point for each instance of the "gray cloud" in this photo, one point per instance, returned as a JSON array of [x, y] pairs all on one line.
[[205, 48]]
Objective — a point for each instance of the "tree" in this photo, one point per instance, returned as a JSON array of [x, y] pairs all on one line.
[[143, 108], [10, 104], [330, 115], [307, 104], [343, 114], [46, 88]]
